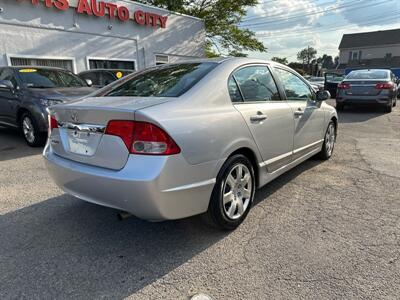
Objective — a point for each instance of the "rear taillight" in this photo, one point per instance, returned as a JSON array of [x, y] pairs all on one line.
[[143, 137], [384, 86], [343, 86], [52, 123], [122, 129]]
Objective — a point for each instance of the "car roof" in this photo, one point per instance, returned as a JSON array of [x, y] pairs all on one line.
[[221, 60]]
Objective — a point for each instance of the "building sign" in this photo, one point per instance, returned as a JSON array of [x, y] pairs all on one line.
[[113, 11]]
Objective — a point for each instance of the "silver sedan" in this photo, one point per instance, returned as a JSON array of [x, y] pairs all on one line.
[[190, 138]]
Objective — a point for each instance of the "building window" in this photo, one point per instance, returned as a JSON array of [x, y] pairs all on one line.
[[161, 59], [355, 55], [111, 64], [42, 62], [388, 56]]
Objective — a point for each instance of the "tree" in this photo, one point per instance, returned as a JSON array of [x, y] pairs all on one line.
[[336, 60], [221, 19], [326, 61], [237, 54], [306, 56], [281, 60], [298, 67]]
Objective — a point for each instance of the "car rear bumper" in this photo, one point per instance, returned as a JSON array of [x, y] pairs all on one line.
[[346, 99], [154, 188]]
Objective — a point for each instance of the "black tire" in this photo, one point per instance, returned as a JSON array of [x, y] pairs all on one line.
[[395, 102], [216, 214], [326, 151], [38, 138], [339, 106], [389, 108]]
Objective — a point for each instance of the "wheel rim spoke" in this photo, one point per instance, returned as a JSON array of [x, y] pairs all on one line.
[[240, 207], [231, 181], [239, 172], [246, 193], [232, 209], [245, 179], [228, 197]]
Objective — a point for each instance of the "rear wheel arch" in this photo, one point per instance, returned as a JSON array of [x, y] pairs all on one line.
[[335, 121], [251, 156]]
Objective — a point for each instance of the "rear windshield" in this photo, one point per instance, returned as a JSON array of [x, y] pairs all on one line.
[[162, 81], [334, 78], [47, 78], [368, 74]]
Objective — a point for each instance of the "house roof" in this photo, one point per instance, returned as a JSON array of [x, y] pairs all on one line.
[[374, 38]]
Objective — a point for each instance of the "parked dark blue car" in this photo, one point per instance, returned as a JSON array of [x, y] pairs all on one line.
[[26, 92]]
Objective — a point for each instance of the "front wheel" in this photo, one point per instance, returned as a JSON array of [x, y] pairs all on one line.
[[389, 108], [233, 193], [30, 130], [329, 142]]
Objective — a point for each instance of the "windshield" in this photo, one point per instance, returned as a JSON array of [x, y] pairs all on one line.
[[368, 74], [48, 78], [162, 81]]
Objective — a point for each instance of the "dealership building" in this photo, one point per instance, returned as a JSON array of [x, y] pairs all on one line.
[[87, 34]]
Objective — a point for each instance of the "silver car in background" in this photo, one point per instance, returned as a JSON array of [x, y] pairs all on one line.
[[198, 137], [375, 86]]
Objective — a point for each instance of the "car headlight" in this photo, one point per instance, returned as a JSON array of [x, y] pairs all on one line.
[[50, 102]]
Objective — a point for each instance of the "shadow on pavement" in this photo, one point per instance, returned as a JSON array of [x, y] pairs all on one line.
[[360, 113], [13, 145], [268, 190], [66, 247], [69, 248]]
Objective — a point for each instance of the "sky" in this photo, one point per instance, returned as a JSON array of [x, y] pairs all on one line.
[[287, 26]]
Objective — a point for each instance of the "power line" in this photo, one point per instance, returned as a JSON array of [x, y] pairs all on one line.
[[282, 15], [330, 30], [300, 30], [313, 13]]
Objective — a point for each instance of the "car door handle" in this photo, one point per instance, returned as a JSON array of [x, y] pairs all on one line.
[[299, 112], [258, 118]]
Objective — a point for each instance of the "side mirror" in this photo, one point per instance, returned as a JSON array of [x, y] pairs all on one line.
[[323, 95], [6, 85], [89, 82]]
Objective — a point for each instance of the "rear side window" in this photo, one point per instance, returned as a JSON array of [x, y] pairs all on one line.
[[295, 88], [256, 84], [234, 92], [162, 81]]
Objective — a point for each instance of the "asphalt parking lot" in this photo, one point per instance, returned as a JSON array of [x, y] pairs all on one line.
[[324, 230]]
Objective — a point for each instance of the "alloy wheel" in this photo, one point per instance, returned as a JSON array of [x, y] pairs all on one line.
[[237, 191], [28, 129], [330, 137]]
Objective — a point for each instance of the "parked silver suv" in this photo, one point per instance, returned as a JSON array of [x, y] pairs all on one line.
[[184, 139]]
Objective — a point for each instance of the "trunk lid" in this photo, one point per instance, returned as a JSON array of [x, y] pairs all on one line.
[[81, 125], [363, 87], [65, 94]]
